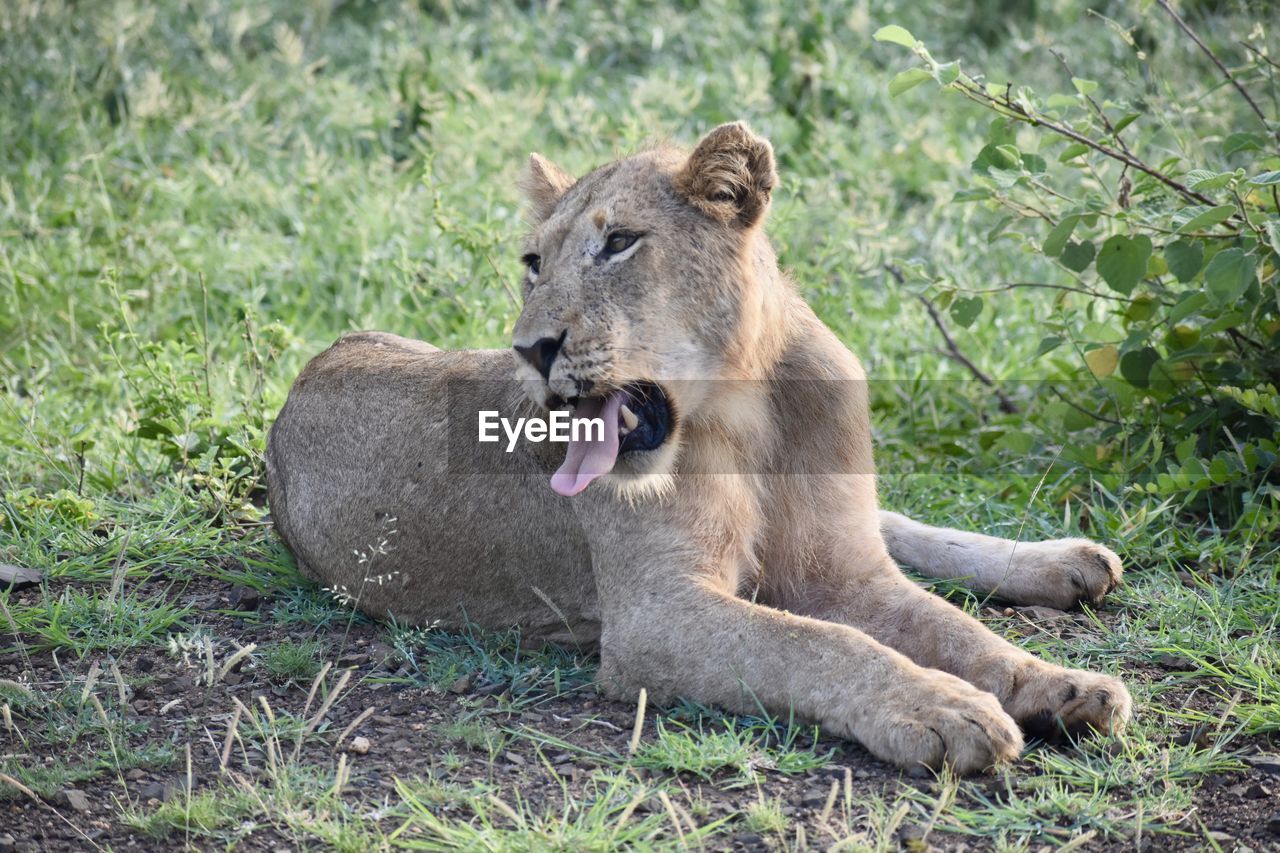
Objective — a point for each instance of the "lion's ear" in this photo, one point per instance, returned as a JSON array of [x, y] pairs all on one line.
[[729, 175], [543, 185]]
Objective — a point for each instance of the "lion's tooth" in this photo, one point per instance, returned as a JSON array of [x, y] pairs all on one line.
[[628, 417]]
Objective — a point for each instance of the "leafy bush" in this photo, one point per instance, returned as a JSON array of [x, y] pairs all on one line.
[[1162, 242]]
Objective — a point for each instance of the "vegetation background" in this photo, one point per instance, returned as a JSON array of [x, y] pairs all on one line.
[[1077, 335]]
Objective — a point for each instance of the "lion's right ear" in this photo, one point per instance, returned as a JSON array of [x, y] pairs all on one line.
[[730, 175], [543, 185]]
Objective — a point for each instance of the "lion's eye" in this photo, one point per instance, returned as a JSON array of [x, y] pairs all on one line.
[[620, 241], [533, 262]]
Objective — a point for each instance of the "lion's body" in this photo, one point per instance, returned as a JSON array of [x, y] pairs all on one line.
[[741, 560]]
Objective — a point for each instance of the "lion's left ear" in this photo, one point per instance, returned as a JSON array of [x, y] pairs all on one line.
[[544, 184], [730, 175]]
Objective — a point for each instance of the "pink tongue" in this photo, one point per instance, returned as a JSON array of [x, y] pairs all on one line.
[[586, 460]]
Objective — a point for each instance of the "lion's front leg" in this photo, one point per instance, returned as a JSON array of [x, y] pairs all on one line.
[[711, 647], [1044, 698]]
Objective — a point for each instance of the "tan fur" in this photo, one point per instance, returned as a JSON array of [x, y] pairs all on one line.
[[743, 562]]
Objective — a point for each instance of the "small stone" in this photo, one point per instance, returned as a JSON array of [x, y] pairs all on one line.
[[912, 838], [1257, 792], [135, 774], [76, 799], [514, 758], [245, 598], [181, 684], [7, 843], [1036, 613], [814, 798], [1221, 838], [462, 684], [1273, 824], [153, 791], [359, 746], [381, 653]]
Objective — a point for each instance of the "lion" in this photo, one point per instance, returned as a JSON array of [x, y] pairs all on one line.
[[722, 540]]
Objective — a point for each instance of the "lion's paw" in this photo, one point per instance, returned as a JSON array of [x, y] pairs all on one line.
[[1063, 573], [1053, 701], [942, 720]]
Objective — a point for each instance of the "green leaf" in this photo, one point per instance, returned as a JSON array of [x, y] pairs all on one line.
[[1189, 304], [1126, 121], [1228, 276], [1208, 218], [907, 80], [1123, 260], [1084, 87], [1034, 163], [1001, 157], [1141, 308], [1048, 344], [1219, 471], [1135, 366], [1073, 150], [973, 194], [895, 34], [1204, 180], [1184, 259], [1058, 236], [1077, 256], [966, 309], [1242, 142], [1266, 179], [948, 73]]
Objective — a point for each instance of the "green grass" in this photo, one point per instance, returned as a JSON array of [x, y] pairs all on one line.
[[734, 754], [289, 660], [196, 198]]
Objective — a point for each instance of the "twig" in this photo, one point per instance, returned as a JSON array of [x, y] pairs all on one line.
[[1260, 55], [1006, 405], [1106, 122], [953, 349], [1244, 93], [1082, 410], [974, 92]]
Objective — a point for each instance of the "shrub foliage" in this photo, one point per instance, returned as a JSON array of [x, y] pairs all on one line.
[[1163, 343]]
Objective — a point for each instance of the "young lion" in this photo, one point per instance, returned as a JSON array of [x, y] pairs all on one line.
[[722, 541]]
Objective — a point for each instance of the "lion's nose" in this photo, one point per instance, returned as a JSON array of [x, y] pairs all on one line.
[[542, 353]]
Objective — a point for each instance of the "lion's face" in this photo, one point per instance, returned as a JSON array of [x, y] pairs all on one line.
[[638, 293]]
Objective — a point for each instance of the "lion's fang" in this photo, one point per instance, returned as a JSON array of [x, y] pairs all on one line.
[[629, 418]]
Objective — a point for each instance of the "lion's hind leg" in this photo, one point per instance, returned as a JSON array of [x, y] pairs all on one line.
[[1058, 573]]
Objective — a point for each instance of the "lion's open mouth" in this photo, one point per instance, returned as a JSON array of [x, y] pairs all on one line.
[[636, 418]]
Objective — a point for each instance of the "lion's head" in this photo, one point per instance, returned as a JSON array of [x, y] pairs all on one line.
[[643, 287]]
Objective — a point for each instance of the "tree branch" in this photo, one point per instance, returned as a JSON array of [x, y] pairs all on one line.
[[1226, 72], [953, 349], [975, 92]]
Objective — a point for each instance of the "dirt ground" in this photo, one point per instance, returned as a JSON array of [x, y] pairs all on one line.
[[405, 729]]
